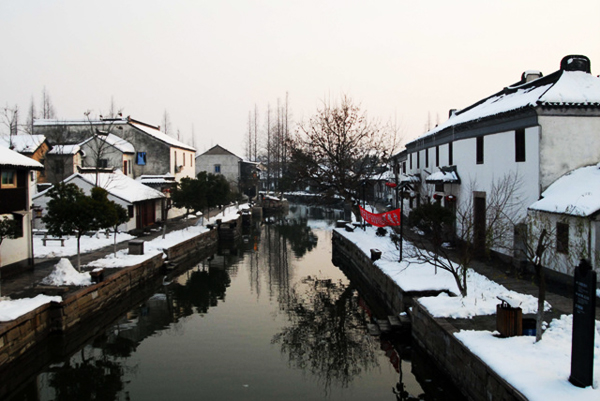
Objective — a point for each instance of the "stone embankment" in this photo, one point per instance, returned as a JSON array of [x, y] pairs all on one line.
[[83, 304], [475, 379]]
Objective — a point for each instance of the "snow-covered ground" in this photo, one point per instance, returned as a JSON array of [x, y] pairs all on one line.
[[53, 249], [538, 370], [10, 309]]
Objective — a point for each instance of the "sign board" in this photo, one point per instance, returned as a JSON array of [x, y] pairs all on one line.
[[584, 326], [391, 218]]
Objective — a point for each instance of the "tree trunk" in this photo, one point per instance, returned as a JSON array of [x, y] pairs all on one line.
[[79, 253], [539, 271]]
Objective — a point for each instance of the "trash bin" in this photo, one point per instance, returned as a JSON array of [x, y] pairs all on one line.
[[529, 328], [375, 254], [509, 318]]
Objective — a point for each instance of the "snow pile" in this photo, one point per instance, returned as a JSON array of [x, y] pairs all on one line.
[[65, 274], [411, 275], [53, 249], [519, 359], [13, 308], [481, 299]]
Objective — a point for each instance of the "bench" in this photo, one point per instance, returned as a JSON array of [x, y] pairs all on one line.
[[62, 240]]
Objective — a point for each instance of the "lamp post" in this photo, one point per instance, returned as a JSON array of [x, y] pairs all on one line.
[[364, 185], [395, 186]]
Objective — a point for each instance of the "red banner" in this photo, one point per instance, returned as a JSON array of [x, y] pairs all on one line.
[[391, 218]]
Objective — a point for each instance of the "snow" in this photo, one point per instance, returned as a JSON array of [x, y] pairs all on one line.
[[122, 186], [442, 176], [11, 158], [538, 370], [54, 250], [571, 87], [12, 309], [115, 141], [155, 132], [23, 143], [157, 245], [64, 150], [65, 274], [576, 193], [410, 275]]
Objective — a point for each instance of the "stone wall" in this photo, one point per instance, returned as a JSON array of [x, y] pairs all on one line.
[[470, 374], [475, 378], [20, 335]]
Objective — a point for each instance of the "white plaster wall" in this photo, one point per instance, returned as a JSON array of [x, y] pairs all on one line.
[[567, 143], [230, 168], [17, 249], [186, 170], [499, 160]]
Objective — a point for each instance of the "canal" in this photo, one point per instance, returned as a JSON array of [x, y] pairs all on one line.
[[269, 318]]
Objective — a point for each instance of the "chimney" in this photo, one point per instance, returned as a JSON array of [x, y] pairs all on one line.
[[576, 62], [451, 113], [531, 75]]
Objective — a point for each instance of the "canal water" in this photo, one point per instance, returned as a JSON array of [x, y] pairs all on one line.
[[270, 318]]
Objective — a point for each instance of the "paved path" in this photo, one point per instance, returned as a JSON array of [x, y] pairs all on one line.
[[22, 284]]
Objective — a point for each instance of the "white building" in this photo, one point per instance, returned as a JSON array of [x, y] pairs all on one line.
[[145, 205], [535, 130], [218, 160], [15, 204]]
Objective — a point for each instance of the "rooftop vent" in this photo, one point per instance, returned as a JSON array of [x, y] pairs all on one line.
[[576, 63], [531, 75]]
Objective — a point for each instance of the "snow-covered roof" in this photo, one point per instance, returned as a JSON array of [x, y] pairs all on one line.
[[568, 88], [442, 176], [102, 122], [576, 193], [113, 140], [409, 178], [23, 143], [117, 184], [157, 179], [161, 136], [64, 150], [10, 158]]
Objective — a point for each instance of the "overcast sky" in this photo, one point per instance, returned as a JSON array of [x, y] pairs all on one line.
[[208, 63]]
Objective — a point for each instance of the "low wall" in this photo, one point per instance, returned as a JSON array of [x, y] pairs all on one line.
[[22, 334], [436, 337], [476, 379]]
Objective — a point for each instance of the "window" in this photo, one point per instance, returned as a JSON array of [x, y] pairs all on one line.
[[125, 167], [426, 157], [520, 145], [410, 161], [403, 167], [103, 163], [191, 161], [217, 168], [439, 187], [140, 158], [479, 151], [437, 156], [183, 158], [9, 178], [450, 153], [562, 238], [418, 159], [130, 211]]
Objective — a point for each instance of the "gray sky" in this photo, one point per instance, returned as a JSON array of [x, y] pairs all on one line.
[[209, 62]]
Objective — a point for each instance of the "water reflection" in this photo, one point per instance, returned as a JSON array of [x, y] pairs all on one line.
[[274, 294], [326, 332]]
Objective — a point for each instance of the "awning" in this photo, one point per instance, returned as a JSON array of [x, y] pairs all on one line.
[[446, 175]]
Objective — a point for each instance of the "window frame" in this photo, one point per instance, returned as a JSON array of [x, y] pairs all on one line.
[[562, 237], [13, 182]]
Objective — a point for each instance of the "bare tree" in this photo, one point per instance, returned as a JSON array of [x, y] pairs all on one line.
[[10, 119], [542, 245], [166, 123], [47, 106], [338, 149], [453, 238]]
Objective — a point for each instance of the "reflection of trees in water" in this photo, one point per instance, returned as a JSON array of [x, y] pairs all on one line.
[[327, 332], [203, 288], [300, 236], [97, 376]]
